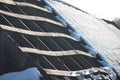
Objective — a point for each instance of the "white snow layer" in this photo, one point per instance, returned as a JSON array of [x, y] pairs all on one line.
[[106, 9], [102, 37], [28, 74]]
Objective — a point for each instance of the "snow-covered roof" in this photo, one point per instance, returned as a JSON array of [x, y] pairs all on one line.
[[102, 38], [32, 36]]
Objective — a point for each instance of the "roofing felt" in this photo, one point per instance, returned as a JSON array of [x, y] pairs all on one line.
[[22, 24]]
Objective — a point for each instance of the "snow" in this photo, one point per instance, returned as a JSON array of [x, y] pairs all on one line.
[[111, 73], [102, 38], [91, 50], [61, 21], [48, 8], [74, 34], [28, 74], [81, 74], [106, 9], [96, 77]]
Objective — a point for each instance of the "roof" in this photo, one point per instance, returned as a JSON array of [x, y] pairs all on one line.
[[100, 37], [33, 37]]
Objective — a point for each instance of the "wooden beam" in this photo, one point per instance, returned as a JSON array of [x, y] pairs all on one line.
[[74, 73], [29, 17], [35, 33], [54, 53]]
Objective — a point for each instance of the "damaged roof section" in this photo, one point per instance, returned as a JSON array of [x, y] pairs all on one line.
[[31, 36]]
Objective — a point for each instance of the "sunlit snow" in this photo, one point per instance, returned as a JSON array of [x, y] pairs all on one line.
[[106, 9]]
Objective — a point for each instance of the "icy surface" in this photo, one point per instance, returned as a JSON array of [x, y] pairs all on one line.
[[28, 74], [102, 37]]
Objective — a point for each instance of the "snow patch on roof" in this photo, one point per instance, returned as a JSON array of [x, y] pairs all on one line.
[[28, 74]]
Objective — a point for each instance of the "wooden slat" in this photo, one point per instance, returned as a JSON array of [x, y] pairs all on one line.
[[54, 53], [24, 4], [73, 73], [34, 33], [28, 17], [30, 5]]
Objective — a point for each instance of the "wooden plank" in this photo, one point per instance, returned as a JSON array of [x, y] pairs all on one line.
[[29, 17], [54, 53], [34, 33], [24, 4], [74, 73]]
